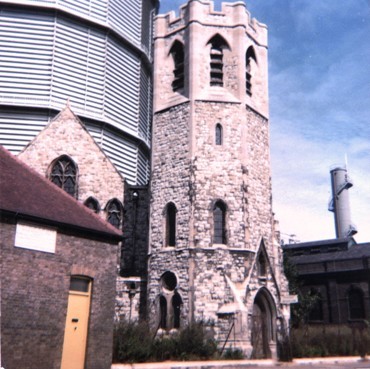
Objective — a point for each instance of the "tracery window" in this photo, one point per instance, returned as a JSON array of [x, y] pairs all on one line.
[[114, 212], [218, 134], [218, 44], [170, 302], [219, 223], [177, 52], [248, 69], [63, 173], [171, 224], [356, 304], [93, 204]]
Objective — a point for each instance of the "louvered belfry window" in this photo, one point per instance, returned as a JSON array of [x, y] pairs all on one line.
[[251, 55], [64, 174], [218, 45], [217, 74], [177, 52]]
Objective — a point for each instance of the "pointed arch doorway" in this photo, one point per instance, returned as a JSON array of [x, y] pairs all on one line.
[[263, 326]]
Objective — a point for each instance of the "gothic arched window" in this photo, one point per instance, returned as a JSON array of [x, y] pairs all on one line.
[[218, 134], [176, 306], [251, 55], [356, 304], [218, 44], [219, 222], [163, 311], [114, 212], [93, 204], [63, 173], [177, 52], [171, 224]]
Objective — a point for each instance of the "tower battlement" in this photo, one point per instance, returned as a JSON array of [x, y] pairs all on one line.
[[231, 15], [209, 55]]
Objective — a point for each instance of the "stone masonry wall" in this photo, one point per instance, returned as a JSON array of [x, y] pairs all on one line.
[[34, 300], [236, 172], [171, 182]]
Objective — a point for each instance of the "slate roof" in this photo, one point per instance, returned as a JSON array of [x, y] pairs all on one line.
[[29, 195], [354, 251], [306, 246]]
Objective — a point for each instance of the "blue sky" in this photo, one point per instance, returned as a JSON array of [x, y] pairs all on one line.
[[319, 86]]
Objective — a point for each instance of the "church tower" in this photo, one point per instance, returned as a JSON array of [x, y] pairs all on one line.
[[213, 256]]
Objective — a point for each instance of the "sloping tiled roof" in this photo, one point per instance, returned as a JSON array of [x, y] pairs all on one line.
[[24, 192]]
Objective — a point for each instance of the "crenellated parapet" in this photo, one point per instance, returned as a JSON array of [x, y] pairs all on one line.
[[208, 55], [231, 15]]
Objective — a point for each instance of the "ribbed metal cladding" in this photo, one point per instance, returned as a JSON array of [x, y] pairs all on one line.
[[94, 54]]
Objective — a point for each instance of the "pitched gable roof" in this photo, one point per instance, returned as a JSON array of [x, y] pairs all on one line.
[[64, 116], [24, 192]]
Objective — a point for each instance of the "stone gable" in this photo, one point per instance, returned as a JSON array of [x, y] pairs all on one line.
[[66, 135]]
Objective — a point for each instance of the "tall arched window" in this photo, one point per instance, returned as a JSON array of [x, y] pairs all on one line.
[[114, 212], [219, 222], [316, 312], [93, 204], [63, 173], [177, 52], [176, 306], [171, 224], [356, 304], [163, 310], [218, 134], [251, 55], [218, 44]]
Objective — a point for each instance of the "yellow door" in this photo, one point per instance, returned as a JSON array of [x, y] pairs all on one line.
[[75, 335]]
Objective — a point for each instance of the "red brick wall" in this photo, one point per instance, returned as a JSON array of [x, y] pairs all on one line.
[[34, 300]]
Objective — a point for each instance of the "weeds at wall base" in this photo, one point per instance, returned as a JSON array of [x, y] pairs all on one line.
[[323, 341]]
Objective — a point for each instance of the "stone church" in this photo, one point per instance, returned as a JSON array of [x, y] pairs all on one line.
[[200, 242]]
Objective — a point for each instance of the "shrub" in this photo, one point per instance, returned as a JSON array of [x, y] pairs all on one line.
[[233, 354], [131, 342], [134, 342]]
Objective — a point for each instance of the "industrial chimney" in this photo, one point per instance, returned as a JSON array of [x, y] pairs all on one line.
[[339, 204]]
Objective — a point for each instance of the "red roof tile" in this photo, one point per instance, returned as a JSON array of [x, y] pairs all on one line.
[[24, 191]]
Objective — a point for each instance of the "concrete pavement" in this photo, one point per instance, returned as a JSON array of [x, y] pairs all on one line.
[[315, 363]]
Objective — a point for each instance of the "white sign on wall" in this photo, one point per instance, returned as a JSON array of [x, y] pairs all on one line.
[[35, 237]]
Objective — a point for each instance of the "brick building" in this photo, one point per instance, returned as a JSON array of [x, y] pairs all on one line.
[[337, 272], [58, 274]]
